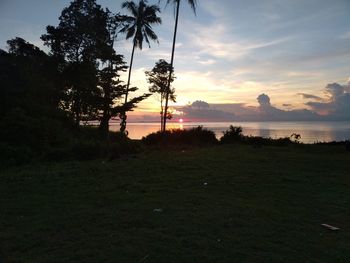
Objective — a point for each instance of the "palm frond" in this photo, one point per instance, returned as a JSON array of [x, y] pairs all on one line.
[[138, 25], [130, 6], [150, 33], [147, 40], [130, 32], [192, 3]]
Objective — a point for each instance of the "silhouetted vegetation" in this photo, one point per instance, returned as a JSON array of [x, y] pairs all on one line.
[[176, 3], [235, 135], [176, 137], [138, 26], [158, 77], [90, 145], [232, 135], [46, 97]]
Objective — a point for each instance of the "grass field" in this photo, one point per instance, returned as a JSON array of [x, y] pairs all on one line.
[[215, 204]]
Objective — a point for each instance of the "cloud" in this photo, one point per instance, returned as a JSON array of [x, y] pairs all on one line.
[[207, 62], [310, 96], [220, 43], [265, 111], [345, 35], [335, 91], [202, 111], [337, 104], [264, 100], [200, 104]]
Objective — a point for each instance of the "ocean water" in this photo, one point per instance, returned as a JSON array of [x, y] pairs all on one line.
[[310, 131]]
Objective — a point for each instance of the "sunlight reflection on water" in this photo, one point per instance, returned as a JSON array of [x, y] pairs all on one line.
[[310, 131]]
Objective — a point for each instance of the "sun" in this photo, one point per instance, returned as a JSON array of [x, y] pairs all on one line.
[[181, 120]]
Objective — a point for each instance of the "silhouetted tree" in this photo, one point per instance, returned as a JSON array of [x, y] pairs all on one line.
[[176, 3], [110, 66], [139, 28], [77, 42], [29, 79], [30, 120], [113, 91], [158, 78]]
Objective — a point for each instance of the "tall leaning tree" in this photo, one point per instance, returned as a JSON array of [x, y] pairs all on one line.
[[176, 3], [139, 28]]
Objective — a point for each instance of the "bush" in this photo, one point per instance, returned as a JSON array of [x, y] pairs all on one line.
[[25, 138], [90, 145], [38, 133], [194, 137], [232, 135]]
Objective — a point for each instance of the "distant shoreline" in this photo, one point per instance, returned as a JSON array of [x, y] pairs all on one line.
[[311, 132], [244, 121]]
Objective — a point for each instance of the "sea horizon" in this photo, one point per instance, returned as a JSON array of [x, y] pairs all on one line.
[[310, 131]]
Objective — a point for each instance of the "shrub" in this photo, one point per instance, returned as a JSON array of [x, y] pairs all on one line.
[[38, 133], [90, 145], [232, 135], [295, 137], [194, 137]]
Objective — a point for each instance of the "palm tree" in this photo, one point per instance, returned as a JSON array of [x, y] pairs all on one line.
[[176, 3], [139, 27]]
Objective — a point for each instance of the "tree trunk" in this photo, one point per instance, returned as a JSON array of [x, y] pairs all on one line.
[[76, 110], [161, 111], [104, 125], [123, 114], [171, 68], [106, 115]]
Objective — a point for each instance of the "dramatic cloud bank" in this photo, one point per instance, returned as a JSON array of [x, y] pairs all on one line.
[[201, 111], [334, 106]]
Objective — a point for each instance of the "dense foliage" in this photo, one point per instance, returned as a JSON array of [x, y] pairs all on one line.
[[176, 137], [46, 97], [138, 26], [158, 78], [235, 135]]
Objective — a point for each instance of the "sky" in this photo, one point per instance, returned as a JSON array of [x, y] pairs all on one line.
[[230, 53]]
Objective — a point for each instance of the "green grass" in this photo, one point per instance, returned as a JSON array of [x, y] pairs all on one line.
[[219, 204]]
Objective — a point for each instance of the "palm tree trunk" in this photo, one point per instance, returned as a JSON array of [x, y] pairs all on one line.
[[130, 69], [123, 115], [171, 68], [161, 110]]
